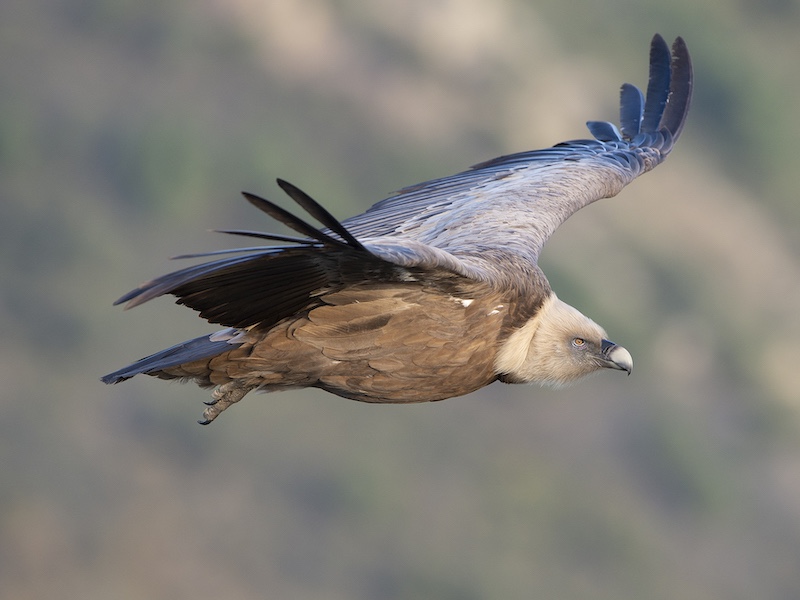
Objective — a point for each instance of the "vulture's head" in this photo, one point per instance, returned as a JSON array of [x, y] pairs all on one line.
[[558, 346]]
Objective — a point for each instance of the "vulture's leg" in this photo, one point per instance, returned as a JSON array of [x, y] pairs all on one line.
[[221, 398]]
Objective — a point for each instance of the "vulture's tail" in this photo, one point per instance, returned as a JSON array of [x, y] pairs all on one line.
[[186, 352]]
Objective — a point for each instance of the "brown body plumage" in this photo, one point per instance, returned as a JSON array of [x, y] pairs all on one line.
[[432, 293], [375, 344]]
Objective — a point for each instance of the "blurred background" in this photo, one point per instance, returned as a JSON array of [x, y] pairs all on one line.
[[127, 130]]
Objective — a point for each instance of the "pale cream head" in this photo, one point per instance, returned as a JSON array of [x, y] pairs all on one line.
[[558, 346]]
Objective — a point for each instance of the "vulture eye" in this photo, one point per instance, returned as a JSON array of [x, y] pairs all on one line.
[[578, 342]]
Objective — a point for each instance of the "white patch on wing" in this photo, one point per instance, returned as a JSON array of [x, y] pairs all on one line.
[[230, 335], [223, 335], [465, 302], [495, 310]]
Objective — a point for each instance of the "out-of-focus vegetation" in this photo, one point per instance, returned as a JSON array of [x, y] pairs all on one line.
[[127, 129]]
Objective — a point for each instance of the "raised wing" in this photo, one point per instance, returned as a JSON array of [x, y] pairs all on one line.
[[485, 225], [513, 204], [259, 286]]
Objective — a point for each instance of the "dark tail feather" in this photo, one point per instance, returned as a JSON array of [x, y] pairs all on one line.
[[196, 349]]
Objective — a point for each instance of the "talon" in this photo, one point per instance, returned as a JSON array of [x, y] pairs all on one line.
[[209, 415], [221, 398]]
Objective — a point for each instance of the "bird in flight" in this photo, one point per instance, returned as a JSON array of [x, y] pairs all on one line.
[[433, 292]]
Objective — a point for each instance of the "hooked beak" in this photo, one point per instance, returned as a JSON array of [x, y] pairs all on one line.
[[616, 357]]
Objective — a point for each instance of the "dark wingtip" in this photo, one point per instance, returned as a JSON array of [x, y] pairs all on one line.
[[292, 221], [664, 108], [603, 131], [658, 85], [631, 107], [680, 93], [131, 299], [319, 212]]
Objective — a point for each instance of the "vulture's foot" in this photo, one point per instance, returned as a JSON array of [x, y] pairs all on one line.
[[221, 398]]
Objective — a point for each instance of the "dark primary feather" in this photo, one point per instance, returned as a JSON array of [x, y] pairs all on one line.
[[263, 284], [165, 283], [658, 85], [259, 291], [604, 131], [273, 237], [290, 220], [631, 109], [680, 97], [316, 210]]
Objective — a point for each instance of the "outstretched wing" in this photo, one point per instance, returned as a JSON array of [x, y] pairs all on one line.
[[485, 225], [513, 204], [259, 286]]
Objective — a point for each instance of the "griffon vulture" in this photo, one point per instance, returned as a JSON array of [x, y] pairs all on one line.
[[433, 292]]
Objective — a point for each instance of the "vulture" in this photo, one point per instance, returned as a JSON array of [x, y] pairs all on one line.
[[433, 292]]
